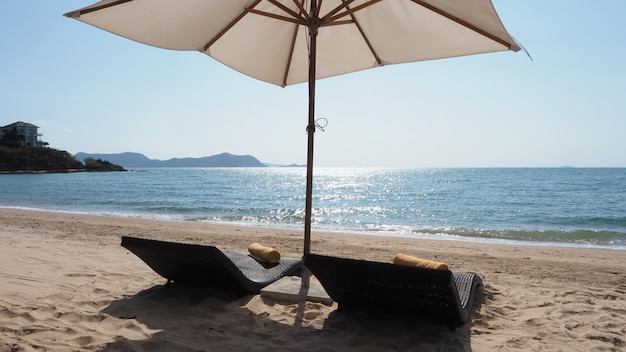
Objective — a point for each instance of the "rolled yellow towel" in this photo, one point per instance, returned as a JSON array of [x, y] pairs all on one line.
[[263, 253], [404, 259]]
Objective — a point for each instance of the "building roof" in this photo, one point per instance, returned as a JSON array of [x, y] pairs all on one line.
[[21, 124]]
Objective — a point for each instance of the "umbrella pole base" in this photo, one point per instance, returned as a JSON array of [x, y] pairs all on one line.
[[296, 289]]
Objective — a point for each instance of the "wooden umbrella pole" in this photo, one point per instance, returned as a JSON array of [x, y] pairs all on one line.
[[313, 27]]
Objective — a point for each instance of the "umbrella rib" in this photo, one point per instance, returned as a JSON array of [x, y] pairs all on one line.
[[228, 27], [300, 5], [331, 18], [344, 5], [297, 20], [305, 19], [288, 66], [360, 29], [295, 15], [78, 13], [464, 23]]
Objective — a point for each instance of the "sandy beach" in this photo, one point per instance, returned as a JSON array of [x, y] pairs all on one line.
[[66, 284]]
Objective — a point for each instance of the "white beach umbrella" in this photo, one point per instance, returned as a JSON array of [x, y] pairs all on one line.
[[286, 42]]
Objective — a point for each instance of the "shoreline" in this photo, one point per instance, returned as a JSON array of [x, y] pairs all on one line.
[[424, 237], [68, 284]]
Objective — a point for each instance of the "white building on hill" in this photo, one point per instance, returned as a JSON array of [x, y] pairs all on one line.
[[30, 132]]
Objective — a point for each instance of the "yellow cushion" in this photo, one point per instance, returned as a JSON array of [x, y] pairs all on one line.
[[403, 259], [263, 253]]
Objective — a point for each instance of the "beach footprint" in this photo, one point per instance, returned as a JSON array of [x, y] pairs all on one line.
[[576, 329]]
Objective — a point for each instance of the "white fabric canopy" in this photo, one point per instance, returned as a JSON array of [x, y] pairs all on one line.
[[364, 34]]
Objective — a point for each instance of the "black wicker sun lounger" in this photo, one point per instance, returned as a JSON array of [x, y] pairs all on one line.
[[208, 266], [365, 285]]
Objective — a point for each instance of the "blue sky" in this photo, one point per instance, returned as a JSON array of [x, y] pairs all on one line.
[[91, 91]]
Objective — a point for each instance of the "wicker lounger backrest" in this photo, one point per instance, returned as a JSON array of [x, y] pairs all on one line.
[[181, 262], [373, 285], [208, 265]]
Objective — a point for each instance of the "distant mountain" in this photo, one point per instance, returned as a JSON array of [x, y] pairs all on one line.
[[123, 159], [128, 160]]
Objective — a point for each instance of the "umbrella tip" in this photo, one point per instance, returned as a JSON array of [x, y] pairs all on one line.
[[72, 14]]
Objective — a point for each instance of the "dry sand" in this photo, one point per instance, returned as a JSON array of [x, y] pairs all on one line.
[[66, 284]]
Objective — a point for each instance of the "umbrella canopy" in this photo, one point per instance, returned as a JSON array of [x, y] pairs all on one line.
[[286, 42]]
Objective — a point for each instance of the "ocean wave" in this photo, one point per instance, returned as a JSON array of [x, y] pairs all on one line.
[[580, 237]]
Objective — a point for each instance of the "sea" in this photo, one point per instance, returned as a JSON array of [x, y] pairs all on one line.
[[572, 207]]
